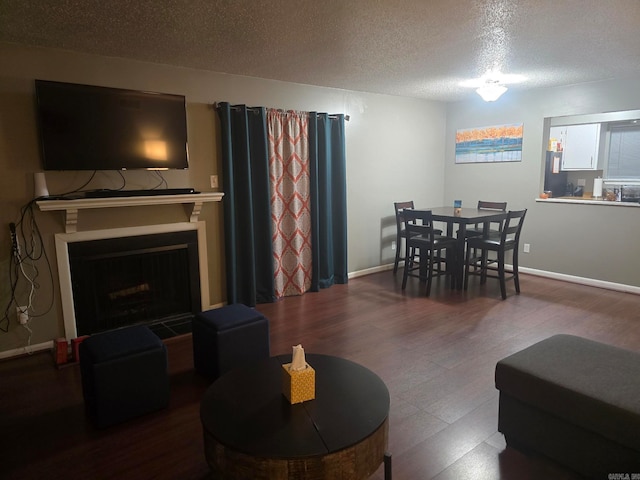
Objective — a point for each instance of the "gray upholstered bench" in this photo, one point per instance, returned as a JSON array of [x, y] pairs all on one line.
[[574, 400]]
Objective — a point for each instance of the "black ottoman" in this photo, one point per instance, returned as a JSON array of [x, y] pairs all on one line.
[[124, 375], [576, 401], [228, 337]]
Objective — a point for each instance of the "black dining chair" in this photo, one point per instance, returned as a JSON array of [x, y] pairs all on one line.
[[507, 240], [478, 228], [494, 228], [400, 231], [424, 250]]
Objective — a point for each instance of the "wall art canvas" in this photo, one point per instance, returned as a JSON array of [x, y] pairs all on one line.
[[498, 143]]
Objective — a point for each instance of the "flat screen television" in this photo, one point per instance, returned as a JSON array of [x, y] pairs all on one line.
[[85, 127]]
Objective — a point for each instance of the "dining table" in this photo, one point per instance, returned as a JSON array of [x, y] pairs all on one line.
[[462, 217]]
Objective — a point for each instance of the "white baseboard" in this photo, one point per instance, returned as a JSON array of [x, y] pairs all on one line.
[[369, 271], [16, 352], [591, 282]]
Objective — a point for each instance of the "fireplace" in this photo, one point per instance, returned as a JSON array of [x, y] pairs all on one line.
[[154, 275], [144, 279]]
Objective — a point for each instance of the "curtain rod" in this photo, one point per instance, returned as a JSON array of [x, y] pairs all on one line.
[[330, 115]]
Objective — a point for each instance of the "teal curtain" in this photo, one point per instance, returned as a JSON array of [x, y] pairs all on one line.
[[328, 199], [247, 215], [248, 230]]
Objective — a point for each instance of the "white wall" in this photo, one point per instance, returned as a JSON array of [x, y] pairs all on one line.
[[591, 241], [394, 152]]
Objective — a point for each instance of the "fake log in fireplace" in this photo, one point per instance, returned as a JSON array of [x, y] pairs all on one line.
[[145, 279]]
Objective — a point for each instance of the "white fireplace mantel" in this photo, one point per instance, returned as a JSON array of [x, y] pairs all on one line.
[[71, 235], [72, 207]]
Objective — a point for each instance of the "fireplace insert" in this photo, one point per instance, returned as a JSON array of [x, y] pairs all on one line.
[[146, 279]]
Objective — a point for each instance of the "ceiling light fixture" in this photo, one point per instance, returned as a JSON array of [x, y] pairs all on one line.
[[492, 84], [491, 90]]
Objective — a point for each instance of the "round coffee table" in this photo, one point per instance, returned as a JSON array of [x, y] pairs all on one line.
[[251, 431]]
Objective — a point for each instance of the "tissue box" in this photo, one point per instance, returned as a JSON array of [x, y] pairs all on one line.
[[298, 385]]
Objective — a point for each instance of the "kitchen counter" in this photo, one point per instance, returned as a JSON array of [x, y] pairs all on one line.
[[587, 201]]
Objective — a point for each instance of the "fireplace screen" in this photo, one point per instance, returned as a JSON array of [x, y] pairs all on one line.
[[132, 280]]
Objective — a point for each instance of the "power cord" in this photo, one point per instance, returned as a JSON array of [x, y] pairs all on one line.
[[26, 227], [26, 250], [79, 189], [162, 180]]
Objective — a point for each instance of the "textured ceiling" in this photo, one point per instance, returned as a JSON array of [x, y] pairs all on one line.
[[414, 48]]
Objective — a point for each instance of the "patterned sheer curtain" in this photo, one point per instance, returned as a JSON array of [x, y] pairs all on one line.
[[290, 201], [284, 178]]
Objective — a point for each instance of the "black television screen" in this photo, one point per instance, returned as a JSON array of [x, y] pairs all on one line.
[[85, 127]]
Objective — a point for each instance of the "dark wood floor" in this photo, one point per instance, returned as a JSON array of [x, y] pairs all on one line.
[[436, 355]]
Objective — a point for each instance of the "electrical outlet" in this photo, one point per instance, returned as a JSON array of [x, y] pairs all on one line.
[[393, 245], [22, 314], [526, 248], [214, 181]]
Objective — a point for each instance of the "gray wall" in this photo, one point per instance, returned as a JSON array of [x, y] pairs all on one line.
[[591, 241], [397, 149], [394, 150]]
